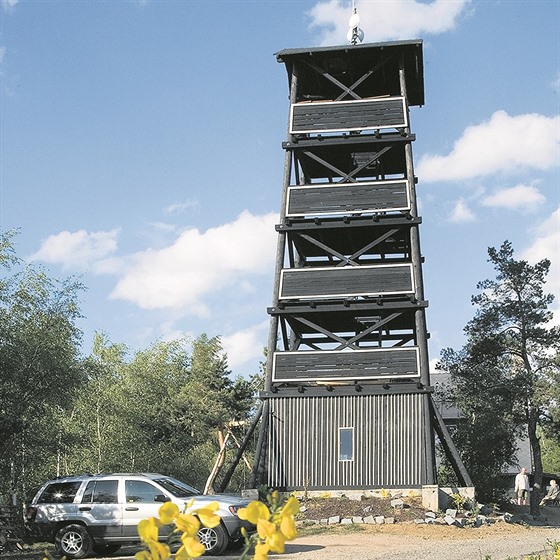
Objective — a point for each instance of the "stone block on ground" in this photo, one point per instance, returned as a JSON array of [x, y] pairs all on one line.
[[397, 504], [357, 519], [334, 520], [346, 521], [380, 519], [369, 520]]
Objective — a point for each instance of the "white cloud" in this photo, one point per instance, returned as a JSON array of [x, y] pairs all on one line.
[[179, 276], [526, 198], [9, 4], [546, 245], [461, 213], [502, 144], [163, 227], [246, 345], [178, 207], [77, 250], [382, 21]]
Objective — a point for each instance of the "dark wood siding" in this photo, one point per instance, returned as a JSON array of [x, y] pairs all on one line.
[[316, 200], [355, 365], [301, 283], [303, 442], [340, 116]]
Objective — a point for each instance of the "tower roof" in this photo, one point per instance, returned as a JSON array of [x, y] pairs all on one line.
[[349, 63]]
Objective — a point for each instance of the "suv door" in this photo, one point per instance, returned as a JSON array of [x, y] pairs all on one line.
[[55, 503], [143, 500], [100, 509]]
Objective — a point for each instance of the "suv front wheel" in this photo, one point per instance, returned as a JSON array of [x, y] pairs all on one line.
[[214, 539], [73, 541]]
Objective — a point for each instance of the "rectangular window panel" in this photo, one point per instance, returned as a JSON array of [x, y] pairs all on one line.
[[346, 444], [59, 493], [106, 492]]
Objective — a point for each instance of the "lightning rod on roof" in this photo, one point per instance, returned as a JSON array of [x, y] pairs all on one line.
[[355, 33]]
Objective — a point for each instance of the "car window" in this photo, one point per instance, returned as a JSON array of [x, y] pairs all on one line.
[[138, 491], [59, 493], [177, 488], [101, 492]]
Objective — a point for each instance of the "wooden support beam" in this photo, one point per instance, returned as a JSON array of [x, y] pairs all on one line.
[[448, 445], [346, 90], [218, 464], [241, 449]]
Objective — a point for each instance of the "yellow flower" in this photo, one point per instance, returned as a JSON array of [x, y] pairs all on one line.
[[168, 512], [148, 529], [187, 524], [208, 515], [191, 548], [275, 525], [291, 507], [288, 528], [159, 551], [265, 528], [276, 542], [261, 552], [253, 512]]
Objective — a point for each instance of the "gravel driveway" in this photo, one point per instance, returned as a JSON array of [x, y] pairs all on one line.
[[443, 543]]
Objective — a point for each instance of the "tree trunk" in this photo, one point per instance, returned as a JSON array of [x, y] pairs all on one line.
[[536, 494]]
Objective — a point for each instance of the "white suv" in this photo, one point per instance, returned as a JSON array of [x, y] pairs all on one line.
[[100, 513]]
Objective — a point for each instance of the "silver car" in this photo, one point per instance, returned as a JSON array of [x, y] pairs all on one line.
[[100, 513]]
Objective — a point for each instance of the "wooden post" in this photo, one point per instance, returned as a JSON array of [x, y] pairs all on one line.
[[220, 459], [229, 473]]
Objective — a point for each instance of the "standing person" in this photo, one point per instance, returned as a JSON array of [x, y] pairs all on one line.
[[522, 487]]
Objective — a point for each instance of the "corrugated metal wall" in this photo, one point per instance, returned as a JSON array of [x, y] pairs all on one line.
[[303, 444]]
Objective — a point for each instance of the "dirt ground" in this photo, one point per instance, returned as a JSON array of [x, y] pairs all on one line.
[[525, 538], [404, 542]]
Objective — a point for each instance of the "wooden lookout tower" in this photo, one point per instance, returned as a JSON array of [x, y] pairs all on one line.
[[347, 401]]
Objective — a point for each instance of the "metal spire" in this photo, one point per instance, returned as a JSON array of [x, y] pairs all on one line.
[[354, 34]]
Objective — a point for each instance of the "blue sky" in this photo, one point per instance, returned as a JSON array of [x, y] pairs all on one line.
[[141, 149]]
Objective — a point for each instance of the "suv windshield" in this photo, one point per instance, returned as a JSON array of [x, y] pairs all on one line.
[[177, 488]]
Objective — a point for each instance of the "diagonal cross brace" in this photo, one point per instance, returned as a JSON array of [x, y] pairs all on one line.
[[347, 177]]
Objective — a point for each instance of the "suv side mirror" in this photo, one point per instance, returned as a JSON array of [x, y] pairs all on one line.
[[161, 498]]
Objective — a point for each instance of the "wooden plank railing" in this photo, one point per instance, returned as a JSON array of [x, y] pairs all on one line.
[[348, 281], [347, 198], [354, 365], [321, 117]]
